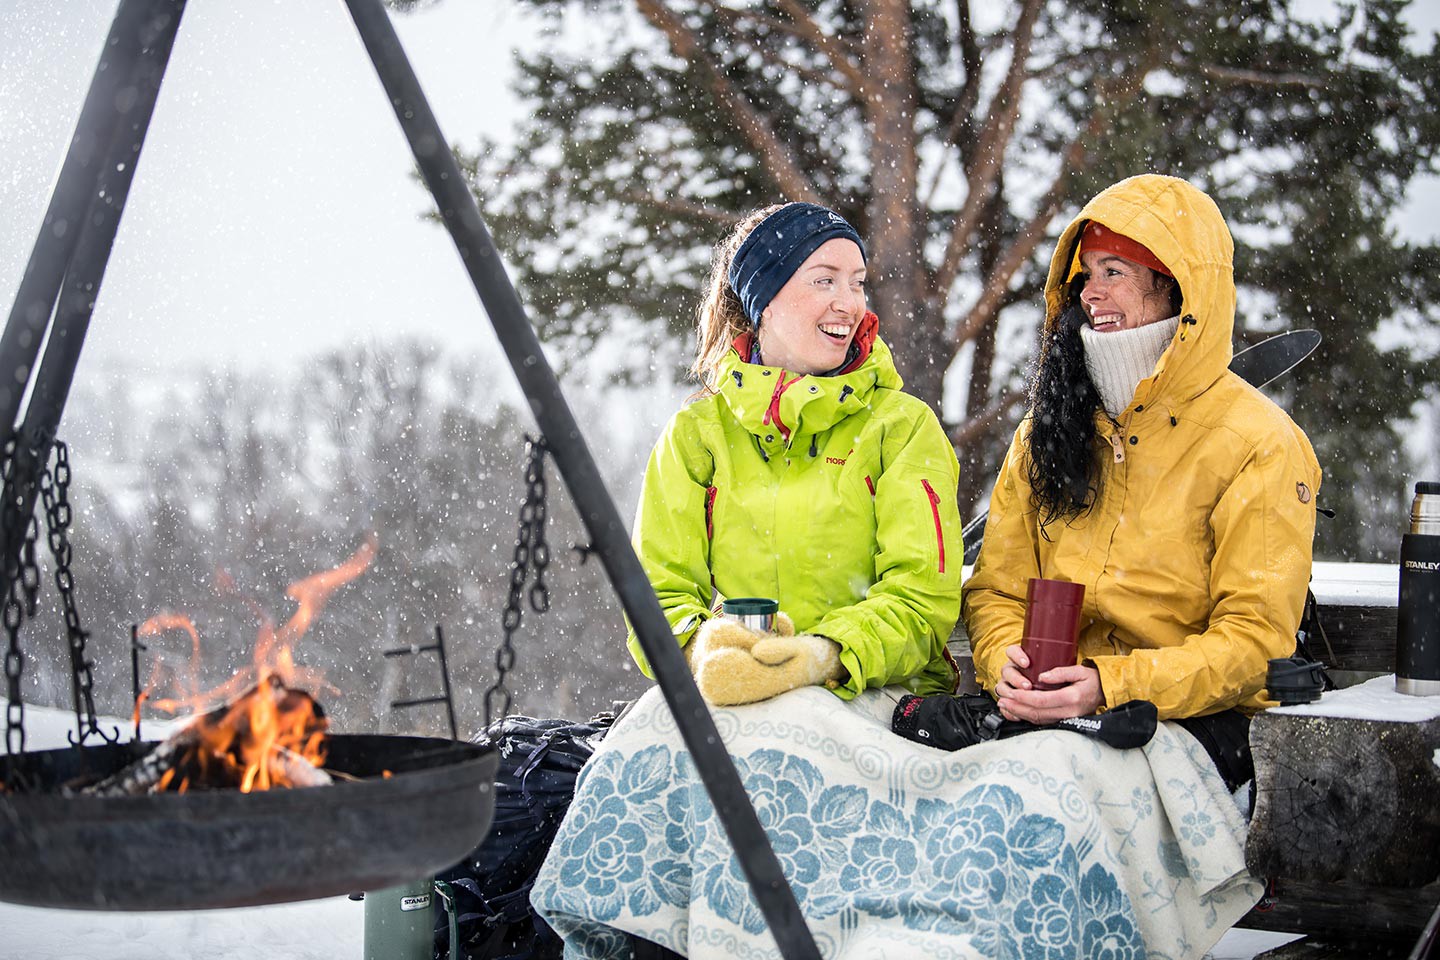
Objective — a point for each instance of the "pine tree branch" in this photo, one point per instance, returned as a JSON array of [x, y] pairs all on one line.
[[990, 151], [833, 48], [1021, 294], [970, 61], [962, 433], [680, 207], [960, 120], [849, 73], [1254, 78], [781, 164], [1074, 158], [959, 131]]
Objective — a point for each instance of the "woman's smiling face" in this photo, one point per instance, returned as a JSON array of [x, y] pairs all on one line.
[[1120, 294], [807, 328]]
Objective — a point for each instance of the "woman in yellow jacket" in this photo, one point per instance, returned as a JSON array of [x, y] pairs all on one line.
[[1179, 496]]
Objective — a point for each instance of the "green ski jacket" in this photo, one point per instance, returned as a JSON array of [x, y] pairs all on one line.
[[833, 495]]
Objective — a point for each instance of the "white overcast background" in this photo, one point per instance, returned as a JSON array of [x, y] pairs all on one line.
[[273, 213]]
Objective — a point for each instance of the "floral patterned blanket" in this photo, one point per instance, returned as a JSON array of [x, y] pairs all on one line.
[[1048, 845]]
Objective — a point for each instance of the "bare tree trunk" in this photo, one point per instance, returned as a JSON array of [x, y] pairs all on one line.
[[982, 361], [897, 271]]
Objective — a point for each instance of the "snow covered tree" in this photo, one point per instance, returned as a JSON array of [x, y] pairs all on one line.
[[959, 137]]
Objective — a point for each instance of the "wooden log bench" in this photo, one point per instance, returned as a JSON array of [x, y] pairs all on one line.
[[1346, 823]]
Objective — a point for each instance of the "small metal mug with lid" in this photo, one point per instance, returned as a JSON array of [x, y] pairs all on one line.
[[1417, 627], [757, 613]]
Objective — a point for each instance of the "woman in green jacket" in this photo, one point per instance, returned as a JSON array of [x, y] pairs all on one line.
[[802, 473]]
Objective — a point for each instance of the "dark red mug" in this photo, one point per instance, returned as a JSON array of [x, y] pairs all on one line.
[[1052, 627]]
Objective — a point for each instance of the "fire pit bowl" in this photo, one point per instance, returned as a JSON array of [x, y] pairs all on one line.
[[208, 849]]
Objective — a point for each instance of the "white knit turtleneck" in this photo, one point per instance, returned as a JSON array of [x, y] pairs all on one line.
[[1118, 361]]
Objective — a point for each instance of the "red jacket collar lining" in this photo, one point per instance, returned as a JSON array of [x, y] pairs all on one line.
[[864, 338]]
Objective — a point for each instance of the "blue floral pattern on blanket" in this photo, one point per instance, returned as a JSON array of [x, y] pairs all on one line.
[[1004, 865]]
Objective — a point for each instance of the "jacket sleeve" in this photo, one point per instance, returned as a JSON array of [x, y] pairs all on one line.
[[1009, 557], [670, 536], [1263, 528], [902, 625]]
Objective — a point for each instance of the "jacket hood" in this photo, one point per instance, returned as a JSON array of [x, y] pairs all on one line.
[[777, 405], [1184, 228]]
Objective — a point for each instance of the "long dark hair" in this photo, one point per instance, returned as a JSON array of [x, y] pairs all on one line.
[[1063, 468], [1064, 460]]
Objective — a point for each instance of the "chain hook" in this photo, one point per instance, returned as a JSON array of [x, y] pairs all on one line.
[[532, 553], [55, 494]]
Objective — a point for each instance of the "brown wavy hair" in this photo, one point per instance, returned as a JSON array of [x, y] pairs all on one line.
[[721, 317]]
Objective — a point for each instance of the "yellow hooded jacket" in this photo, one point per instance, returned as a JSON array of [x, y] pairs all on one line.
[[1196, 555]]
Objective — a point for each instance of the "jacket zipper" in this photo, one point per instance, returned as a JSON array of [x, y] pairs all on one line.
[[870, 483], [772, 415], [710, 512], [935, 512]]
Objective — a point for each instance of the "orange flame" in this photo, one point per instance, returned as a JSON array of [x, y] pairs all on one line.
[[265, 733], [246, 743]]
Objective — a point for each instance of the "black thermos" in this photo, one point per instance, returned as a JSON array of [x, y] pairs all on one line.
[[1417, 635]]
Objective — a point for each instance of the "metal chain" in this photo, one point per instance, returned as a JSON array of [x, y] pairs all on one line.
[[531, 552], [22, 574], [55, 492]]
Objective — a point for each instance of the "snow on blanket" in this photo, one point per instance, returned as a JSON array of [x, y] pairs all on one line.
[[1050, 845]]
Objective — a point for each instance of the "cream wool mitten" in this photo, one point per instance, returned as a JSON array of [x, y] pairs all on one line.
[[719, 633], [772, 665]]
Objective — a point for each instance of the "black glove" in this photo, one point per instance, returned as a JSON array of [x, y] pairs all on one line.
[[951, 723]]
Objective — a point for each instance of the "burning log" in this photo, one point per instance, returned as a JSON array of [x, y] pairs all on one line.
[[287, 766], [271, 736]]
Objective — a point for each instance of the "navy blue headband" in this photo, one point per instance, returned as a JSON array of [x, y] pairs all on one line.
[[777, 247]]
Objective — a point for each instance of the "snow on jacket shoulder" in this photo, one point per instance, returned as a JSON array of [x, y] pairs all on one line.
[[1196, 555], [833, 495]]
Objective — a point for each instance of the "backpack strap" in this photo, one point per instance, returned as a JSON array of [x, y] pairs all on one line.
[[1310, 627]]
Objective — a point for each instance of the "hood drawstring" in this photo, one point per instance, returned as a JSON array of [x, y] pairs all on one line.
[[1174, 421], [845, 391], [1187, 321], [738, 382], [813, 451]]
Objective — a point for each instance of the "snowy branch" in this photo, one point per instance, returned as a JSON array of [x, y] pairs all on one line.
[[963, 433], [680, 207], [778, 160], [959, 132], [772, 52], [1074, 158], [989, 152], [1255, 78], [833, 48], [970, 62]]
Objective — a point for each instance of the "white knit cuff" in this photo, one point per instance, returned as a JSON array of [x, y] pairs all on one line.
[[1118, 361]]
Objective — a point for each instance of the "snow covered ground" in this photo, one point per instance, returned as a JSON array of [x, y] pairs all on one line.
[[1375, 699], [316, 930]]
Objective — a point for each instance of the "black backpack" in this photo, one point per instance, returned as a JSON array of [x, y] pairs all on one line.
[[539, 763]]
